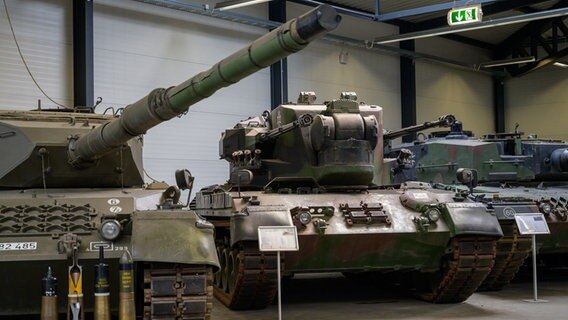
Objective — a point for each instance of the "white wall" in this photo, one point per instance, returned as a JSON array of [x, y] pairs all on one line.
[[539, 103], [44, 32], [140, 47], [374, 76], [444, 90]]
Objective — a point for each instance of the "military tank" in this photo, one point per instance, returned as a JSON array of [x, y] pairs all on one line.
[[313, 166], [72, 182], [513, 175]]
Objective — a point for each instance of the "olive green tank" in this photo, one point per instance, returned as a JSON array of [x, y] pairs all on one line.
[[320, 168], [72, 182], [514, 174]]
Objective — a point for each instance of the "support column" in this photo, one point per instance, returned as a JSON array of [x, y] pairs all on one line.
[[499, 103], [83, 79], [279, 70], [407, 87]]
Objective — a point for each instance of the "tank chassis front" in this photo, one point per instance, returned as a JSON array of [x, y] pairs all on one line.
[[343, 223], [515, 175], [173, 246]]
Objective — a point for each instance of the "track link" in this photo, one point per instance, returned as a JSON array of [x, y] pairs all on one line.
[[248, 278], [512, 250], [465, 267], [177, 291]]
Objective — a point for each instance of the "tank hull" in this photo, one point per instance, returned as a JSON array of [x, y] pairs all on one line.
[[551, 193], [39, 228], [514, 176], [341, 236]]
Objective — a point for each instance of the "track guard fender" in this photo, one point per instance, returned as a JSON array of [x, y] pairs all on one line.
[[470, 218], [244, 225], [174, 237]]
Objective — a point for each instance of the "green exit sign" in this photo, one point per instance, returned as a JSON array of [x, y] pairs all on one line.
[[465, 15]]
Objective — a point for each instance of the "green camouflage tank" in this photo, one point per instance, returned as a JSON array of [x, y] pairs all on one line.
[[514, 175], [318, 167], [71, 183]]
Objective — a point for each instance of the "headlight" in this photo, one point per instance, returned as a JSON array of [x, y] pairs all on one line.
[[433, 215], [110, 229], [545, 208], [305, 218]]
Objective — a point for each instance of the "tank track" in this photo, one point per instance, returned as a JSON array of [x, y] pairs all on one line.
[[512, 250], [177, 291], [248, 278], [467, 264]]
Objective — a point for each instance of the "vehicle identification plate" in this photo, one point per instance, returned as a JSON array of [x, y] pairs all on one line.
[[14, 246]]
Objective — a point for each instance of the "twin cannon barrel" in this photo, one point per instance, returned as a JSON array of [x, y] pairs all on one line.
[[164, 104]]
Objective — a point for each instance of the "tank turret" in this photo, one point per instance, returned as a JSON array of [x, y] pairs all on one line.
[[72, 184], [108, 151], [547, 159], [330, 145]]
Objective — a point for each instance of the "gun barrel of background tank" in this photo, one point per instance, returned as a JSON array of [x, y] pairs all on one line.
[[164, 104], [444, 121]]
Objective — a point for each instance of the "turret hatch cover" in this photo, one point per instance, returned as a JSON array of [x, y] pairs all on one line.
[[15, 147]]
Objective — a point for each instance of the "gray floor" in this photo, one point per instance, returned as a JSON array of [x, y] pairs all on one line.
[[331, 296]]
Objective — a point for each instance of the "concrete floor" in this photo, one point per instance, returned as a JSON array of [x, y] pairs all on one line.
[[334, 297]]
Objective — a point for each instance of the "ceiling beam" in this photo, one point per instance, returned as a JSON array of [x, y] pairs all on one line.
[[488, 10], [429, 9], [542, 15], [507, 46], [351, 11], [530, 67]]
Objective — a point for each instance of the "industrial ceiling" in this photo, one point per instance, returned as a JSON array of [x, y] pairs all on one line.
[[510, 29]]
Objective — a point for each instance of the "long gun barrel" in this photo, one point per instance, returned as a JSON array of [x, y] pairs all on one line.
[[164, 104], [444, 121], [304, 121]]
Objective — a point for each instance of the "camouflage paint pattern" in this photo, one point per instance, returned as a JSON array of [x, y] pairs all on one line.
[[377, 245], [437, 160], [510, 169]]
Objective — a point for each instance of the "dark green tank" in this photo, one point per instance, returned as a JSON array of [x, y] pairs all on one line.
[[513, 175], [319, 167], [72, 182]]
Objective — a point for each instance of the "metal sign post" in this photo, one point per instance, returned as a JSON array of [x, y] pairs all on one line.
[[278, 238], [533, 224]]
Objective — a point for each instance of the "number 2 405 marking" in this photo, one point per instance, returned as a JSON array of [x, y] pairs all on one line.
[[9, 246]]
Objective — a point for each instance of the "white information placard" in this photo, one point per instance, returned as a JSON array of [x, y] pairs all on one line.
[[531, 223], [278, 238]]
